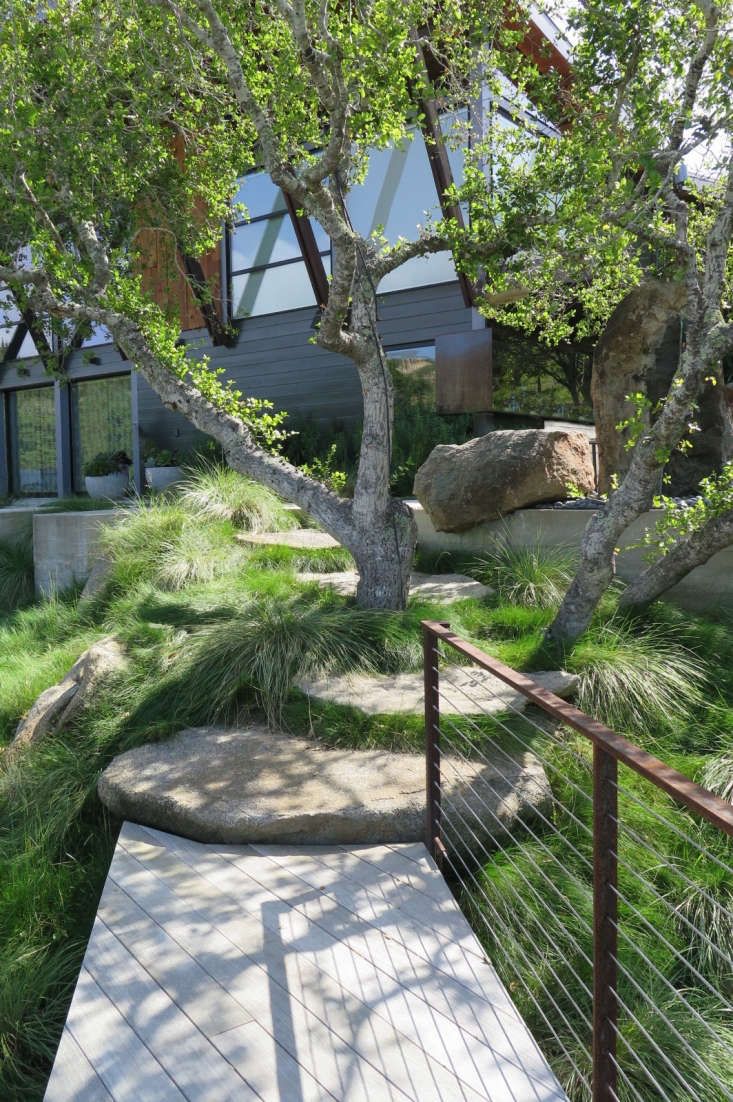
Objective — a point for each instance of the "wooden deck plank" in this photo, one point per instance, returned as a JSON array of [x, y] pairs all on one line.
[[125, 1065], [288, 974], [461, 1003], [74, 1077], [505, 1052], [186, 1054], [398, 1057]]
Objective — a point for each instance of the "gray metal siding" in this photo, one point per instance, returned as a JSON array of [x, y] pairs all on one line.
[[274, 358]]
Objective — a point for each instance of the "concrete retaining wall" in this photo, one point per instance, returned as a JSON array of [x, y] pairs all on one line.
[[65, 547], [707, 588], [16, 524]]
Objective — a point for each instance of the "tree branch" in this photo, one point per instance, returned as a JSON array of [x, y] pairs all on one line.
[[690, 552]]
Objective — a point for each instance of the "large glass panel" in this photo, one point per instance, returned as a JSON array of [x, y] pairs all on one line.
[[259, 195], [101, 421], [33, 441], [271, 290], [396, 198], [257, 244]]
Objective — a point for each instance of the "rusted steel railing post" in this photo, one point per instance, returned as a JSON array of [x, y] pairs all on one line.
[[605, 931], [432, 743]]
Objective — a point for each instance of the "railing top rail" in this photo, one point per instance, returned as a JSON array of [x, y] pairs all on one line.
[[711, 807]]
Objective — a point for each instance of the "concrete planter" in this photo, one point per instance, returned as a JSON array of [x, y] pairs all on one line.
[[108, 485], [160, 478]]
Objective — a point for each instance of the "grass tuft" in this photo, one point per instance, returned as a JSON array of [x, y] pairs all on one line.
[[270, 644], [220, 493], [635, 679], [534, 577], [16, 574]]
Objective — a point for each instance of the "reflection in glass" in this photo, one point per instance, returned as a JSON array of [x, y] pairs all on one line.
[[33, 441], [101, 421], [397, 199], [268, 274], [269, 290]]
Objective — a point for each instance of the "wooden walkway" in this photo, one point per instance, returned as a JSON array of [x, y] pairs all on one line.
[[220, 973]]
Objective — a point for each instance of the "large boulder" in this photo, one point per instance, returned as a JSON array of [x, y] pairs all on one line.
[[462, 485], [251, 785], [56, 707]]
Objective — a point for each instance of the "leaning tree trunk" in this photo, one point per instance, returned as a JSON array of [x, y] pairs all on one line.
[[384, 527], [690, 552], [379, 532], [635, 494]]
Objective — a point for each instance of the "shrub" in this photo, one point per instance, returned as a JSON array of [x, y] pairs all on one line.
[[16, 574], [536, 576], [160, 457], [272, 643], [139, 538], [223, 494], [197, 553], [106, 463], [636, 679]]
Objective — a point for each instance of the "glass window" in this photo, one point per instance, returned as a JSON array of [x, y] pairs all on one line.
[[413, 372], [269, 290], [268, 273], [33, 441], [98, 335], [397, 198], [101, 420]]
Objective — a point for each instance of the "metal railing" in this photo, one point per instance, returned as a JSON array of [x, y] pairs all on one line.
[[598, 877]]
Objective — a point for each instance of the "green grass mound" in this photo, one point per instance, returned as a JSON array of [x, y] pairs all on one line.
[[223, 494], [218, 632], [16, 574]]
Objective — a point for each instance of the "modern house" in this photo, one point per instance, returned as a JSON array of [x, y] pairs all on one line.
[[268, 276]]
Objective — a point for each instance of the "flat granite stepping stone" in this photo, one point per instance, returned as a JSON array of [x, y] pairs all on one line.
[[304, 538], [467, 690], [250, 785], [432, 587]]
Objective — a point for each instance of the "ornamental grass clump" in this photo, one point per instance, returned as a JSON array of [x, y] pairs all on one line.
[[535, 577], [636, 679], [16, 574], [270, 644], [138, 539], [223, 494], [198, 553]]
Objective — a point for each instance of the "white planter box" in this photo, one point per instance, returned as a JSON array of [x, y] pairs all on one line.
[[160, 478], [107, 485]]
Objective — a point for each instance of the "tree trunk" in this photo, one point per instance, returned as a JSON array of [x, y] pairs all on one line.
[[383, 559], [693, 551], [636, 492]]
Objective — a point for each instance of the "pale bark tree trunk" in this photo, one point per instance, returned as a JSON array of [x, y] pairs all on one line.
[[708, 338], [689, 553]]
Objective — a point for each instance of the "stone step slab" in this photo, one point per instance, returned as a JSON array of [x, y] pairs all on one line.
[[299, 538], [429, 587], [251, 785], [467, 690]]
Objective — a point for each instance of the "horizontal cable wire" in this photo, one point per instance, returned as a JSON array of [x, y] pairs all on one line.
[[516, 842], [624, 791], [620, 929], [538, 923], [517, 971], [664, 861], [676, 1073], [555, 800], [667, 944], [511, 707], [642, 1066], [536, 889], [523, 716], [673, 1029], [528, 746]]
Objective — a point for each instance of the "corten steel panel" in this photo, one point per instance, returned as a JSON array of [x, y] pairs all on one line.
[[463, 382]]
